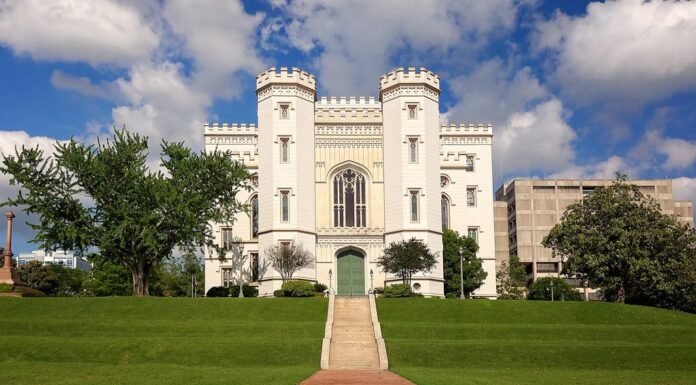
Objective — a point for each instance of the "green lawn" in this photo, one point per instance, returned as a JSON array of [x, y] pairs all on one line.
[[438, 342], [160, 340]]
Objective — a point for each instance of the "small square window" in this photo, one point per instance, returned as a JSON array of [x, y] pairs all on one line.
[[471, 196], [412, 111], [285, 111], [473, 233], [415, 210], [413, 150], [469, 163], [284, 149]]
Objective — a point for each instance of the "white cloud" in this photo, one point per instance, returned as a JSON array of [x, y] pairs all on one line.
[[83, 85], [624, 52], [94, 31], [669, 154], [357, 39], [605, 169], [684, 189]]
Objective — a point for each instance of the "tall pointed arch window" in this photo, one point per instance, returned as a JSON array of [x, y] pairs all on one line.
[[445, 207], [349, 199], [255, 216]]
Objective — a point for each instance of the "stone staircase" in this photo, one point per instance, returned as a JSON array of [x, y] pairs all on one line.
[[353, 343]]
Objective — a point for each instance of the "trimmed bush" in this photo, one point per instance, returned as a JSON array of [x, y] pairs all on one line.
[[298, 289], [541, 290], [218, 291], [401, 290], [279, 293], [320, 287], [378, 290], [249, 291], [451, 296]]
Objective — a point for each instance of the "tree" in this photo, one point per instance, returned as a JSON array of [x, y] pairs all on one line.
[[473, 272], [622, 243], [107, 278], [40, 277], [406, 258], [511, 279], [288, 259], [541, 290], [173, 278], [105, 196]]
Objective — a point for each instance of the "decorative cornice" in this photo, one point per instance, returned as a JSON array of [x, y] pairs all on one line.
[[415, 90], [231, 139], [348, 130], [465, 140], [286, 90]]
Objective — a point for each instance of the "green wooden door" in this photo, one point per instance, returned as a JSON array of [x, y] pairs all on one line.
[[351, 273]]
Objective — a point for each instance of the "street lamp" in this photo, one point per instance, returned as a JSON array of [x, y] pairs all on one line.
[[551, 291], [330, 281], [372, 289], [461, 271]]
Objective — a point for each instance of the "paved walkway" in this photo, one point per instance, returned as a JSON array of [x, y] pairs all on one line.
[[353, 358]]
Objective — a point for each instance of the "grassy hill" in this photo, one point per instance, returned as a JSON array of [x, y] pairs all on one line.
[[435, 342], [160, 340]]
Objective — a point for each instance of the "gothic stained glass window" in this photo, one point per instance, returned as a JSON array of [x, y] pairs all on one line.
[[445, 211], [255, 216], [349, 199]]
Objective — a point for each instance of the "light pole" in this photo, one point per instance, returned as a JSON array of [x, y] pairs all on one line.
[[461, 271], [330, 282], [372, 289], [551, 291]]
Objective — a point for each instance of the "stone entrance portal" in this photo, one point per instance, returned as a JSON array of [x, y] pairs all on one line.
[[351, 273]]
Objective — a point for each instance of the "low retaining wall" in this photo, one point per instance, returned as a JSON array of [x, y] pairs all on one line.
[[377, 329], [328, 330]]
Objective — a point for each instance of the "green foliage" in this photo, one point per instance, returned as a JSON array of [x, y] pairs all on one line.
[[287, 260], [511, 279], [279, 293], [320, 287], [451, 296], [107, 278], [53, 279], [406, 258], [26, 291], [562, 291], [401, 290], [136, 216], [473, 272], [218, 291], [249, 291], [298, 289], [172, 278], [619, 241], [378, 290]]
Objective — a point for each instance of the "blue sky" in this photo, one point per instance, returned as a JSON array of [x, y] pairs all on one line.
[[574, 89]]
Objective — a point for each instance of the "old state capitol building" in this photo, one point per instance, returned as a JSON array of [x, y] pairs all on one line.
[[344, 177]]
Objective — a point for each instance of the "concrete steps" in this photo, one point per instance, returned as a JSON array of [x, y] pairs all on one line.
[[353, 343]]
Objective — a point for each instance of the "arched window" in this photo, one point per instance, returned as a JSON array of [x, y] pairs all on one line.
[[349, 199], [445, 207], [255, 216]]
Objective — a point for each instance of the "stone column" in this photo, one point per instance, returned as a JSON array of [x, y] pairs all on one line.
[[8, 241]]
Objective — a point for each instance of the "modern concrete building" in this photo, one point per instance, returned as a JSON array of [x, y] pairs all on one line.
[[346, 176], [60, 257], [527, 209]]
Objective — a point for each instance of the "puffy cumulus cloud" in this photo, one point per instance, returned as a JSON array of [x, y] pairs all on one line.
[[605, 169], [625, 52], [83, 85], [219, 36], [352, 54], [684, 189], [96, 31], [529, 124], [669, 154]]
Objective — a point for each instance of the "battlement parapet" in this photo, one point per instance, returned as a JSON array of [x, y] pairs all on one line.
[[466, 128], [285, 76], [409, 76], [361, 102], [230, 129]]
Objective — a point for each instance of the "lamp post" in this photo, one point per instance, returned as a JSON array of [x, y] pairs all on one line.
[[372, 289], [551, 291], [330, 281], [461, 271]]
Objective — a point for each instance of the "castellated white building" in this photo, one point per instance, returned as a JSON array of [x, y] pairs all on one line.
[[346, 176]]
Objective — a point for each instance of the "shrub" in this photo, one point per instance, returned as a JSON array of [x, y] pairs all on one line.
[[401, 290], [541, 290], [218, 291], [279, 293], [451, 296], [378, 290], [320, 287], [298, 289], [249, 291]]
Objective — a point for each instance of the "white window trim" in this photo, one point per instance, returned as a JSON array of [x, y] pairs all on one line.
[[475, 189], [410, 194], [284, 139], [280, 198], [287, 109], [413, 139], [415, 110]]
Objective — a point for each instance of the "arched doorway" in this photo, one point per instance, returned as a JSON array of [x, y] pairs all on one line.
[[351, 273]]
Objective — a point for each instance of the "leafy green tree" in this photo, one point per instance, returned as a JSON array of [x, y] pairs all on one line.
[[40, 277], [620, 241], [562, 291], [172, 278], [511, 279], [474, 274], [406, 258], [105, 196], [107, 278]]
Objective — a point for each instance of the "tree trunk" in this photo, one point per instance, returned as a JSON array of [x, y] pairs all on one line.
[[140, 284], [621, 294]]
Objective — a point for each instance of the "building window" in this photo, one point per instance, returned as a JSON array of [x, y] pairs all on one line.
[[546, 267], [472, 232], [349, 199], [254, 267], [413, 111], [469, 163], [227, 239], [227, 277], [284, 144], [415, 215], [255, 216], [284, 111], [471, 196], [284, 206], [444, 181], [413, 150], [445, 207]]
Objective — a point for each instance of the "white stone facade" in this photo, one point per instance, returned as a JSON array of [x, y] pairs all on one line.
[[351, 175]]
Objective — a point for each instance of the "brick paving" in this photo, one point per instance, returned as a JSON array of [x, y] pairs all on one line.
[[356, 377]]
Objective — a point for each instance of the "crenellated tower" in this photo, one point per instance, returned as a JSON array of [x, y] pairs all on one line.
[[286, 169], [411, 114]]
